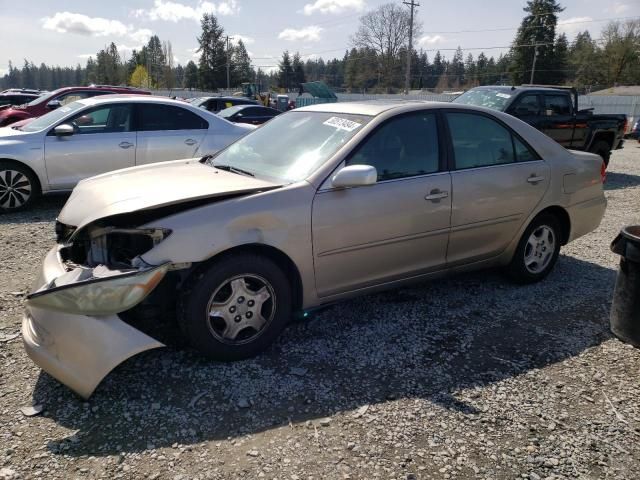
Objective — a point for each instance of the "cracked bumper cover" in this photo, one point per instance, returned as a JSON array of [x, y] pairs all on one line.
[[77, 350]]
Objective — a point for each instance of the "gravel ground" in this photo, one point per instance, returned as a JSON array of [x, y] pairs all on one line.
[[467, 377]]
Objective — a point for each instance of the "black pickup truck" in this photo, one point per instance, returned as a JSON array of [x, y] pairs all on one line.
[[554, 111]]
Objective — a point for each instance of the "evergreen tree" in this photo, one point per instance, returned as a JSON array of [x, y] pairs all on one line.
[[559, 73], [456, 70], [139, 77], [213, 55], [285, 72], [298, 71], [537, 28], [241, 64], [191, 75]]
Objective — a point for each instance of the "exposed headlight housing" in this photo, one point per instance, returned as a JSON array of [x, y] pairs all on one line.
[[97, 291]]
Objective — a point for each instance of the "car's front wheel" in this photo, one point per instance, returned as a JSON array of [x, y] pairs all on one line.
[[236, 308], [18, 187], [537, 251]]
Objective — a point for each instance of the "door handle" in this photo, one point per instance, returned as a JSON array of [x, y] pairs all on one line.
[[190, 141], [533, 179], [125, 144], [436, 195]]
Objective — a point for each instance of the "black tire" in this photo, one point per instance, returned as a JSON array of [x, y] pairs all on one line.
[[518, 270], [206, 331], [603, 149], [19, 187]]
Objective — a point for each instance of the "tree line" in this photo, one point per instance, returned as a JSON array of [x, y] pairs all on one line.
[[374, 62]]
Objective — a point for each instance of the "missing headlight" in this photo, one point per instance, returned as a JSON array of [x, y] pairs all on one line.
[[112, 246]]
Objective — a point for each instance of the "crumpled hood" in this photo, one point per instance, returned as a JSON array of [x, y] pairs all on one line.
[[151, 186]]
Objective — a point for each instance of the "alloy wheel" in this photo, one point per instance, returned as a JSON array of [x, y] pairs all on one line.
[[15, 189], [240, 309], [539, 249]]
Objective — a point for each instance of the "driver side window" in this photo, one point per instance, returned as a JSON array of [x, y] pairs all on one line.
[[405, 146], [527, 105], [105, 119]]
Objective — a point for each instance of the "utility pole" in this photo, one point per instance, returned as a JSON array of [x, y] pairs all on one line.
[[533, 67], [228, 62], [407, 79]]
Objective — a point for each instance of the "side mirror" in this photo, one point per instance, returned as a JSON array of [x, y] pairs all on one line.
[[355, 176], [53, 104], [64, 130]]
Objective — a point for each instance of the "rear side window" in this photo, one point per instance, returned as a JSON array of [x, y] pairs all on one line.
[[154, 117], [479, 141], [557, 105], [405, 146]]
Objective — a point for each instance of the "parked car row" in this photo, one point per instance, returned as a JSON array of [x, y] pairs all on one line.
[[18, 96]]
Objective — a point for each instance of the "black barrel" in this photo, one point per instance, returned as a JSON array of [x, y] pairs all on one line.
[[625, 310]]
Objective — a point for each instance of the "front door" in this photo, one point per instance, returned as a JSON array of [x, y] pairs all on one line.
[[167, 132], [393, 229], [102, 142], [497, 182]]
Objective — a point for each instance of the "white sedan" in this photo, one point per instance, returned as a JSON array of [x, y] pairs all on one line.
[[96, 135]]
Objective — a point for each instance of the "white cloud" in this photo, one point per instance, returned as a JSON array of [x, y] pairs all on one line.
[[245, 39], [618, 8], [77, 23], [141, 36], [306, 34], [333, 6], [571, 26], [174, 11], [67, 22], [430, 40], [85, 56]]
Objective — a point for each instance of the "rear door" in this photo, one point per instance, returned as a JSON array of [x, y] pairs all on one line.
[[103, 141], [558, 120], [497, 181], [167, 132]]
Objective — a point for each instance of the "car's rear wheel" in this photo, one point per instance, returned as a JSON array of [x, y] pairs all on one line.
[[236, 308], [603, 149], [18, 187], [537, 251]]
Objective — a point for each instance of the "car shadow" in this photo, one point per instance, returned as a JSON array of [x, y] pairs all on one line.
[[617, 181], [45, 209], [441, 341]]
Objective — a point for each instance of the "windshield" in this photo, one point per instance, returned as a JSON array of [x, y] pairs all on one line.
[[42, 98], [496, 99], [291, 146], [48, 119], [227, 112]]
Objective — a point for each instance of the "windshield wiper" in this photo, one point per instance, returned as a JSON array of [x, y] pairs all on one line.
[[229, 168]]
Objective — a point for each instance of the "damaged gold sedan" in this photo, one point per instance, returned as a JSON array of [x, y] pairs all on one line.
[[320, 204]]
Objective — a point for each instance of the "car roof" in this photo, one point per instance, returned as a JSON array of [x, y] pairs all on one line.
[[370, 107], [536, 88], [128, 97]]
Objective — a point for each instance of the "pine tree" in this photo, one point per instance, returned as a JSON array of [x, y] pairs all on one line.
[[139, 77], [298, 70], [191, 75], [537, 28], [213, 54], [285, 72], [241, 65]]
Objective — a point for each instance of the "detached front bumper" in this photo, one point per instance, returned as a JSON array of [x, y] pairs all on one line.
[[77, 350]]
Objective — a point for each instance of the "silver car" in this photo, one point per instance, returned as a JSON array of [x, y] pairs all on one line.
[[54, 152], [320, 204]]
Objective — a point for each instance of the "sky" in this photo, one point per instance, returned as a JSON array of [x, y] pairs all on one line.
[[65, 32]]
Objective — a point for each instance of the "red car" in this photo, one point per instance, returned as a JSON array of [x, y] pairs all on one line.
[[57, 98]]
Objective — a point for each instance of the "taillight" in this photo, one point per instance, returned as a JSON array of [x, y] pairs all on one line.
[[626, 124], [603, 172]]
